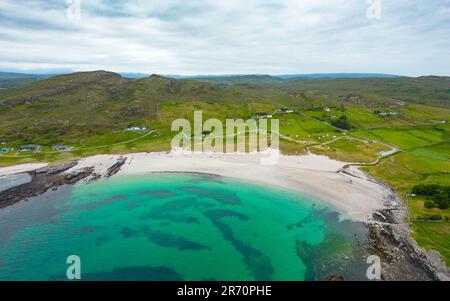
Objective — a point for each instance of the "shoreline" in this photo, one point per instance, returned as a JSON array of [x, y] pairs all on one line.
[[312, 175], [349, 191]]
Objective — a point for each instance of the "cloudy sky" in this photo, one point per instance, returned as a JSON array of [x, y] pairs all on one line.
[[410, 37]]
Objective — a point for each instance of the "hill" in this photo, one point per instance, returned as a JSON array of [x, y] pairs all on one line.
[[427, 90], [12, 80], [68, 107], [396, 128]]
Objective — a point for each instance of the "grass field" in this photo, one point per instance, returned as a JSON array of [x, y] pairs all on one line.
[[419, 212], [405, 170], [406, 138], [440, 151], [351, 150], [434, 235]]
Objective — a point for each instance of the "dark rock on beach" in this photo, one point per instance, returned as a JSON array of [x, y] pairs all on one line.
[[50, 178], [54, 170], [116, 167], [43, 180], [401, 258]]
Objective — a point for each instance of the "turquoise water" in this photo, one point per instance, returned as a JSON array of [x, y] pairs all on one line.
[[177, 227]]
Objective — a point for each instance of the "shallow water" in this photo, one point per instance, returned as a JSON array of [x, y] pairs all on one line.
[[178, 227], [9, 181]]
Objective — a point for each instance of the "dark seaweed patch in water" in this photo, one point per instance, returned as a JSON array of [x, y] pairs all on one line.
[[181, 204], [161, 193], [127, 232], [168, 216], [216, 214], [133, 204], [257, 262], [133, 274], [340, 253], [103, 239], [76, 231], [173, 211], [105, 202], [164, 239], [223, 197], [295, 226], [203, 177]]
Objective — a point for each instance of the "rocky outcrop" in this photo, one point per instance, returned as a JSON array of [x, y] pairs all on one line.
[[54, 170], [116, 167], [42, 180], [401, 257]]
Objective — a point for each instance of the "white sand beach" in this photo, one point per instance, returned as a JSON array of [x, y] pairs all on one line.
[[312, 175], [20, 168]]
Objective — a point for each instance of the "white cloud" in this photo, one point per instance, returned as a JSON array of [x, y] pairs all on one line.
[[227, 36]]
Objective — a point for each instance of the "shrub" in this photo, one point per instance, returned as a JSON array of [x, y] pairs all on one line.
[[429, 204], [427, 190], [437, 196], [342, 123]]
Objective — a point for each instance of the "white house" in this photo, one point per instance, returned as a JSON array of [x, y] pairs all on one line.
[[136, 129]]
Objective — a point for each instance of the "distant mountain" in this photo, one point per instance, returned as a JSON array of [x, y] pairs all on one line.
[[337, 75], [286, 76], [10, 75], [15, 76], [13, 80]]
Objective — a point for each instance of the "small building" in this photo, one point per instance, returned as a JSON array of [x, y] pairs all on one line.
[[136, 129], [384, 114], [6, 150], [31, 148], [62, 148], [262, 116], [285, 110]]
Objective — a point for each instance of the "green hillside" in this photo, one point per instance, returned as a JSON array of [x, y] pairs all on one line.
[[13, 80], [397, 127], [429, 90], [83, 109]]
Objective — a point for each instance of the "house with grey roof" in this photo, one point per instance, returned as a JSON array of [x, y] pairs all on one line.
[[31, 148], [6, 150], [61, 148]]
